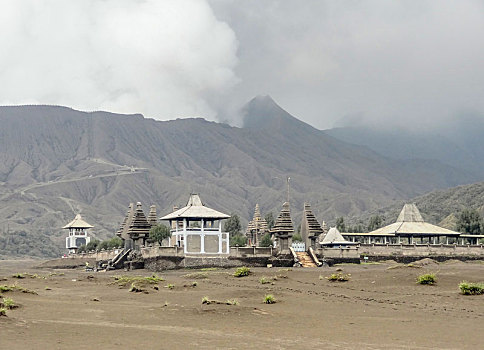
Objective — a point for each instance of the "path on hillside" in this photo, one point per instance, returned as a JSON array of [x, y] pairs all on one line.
[[125, 170]]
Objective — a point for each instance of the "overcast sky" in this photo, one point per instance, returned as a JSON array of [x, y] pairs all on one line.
[[326, 62]]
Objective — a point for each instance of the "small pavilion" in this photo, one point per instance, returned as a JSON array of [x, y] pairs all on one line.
[[198, 228], [283, 229], [310, 227], [256, 228], [77, 234], [335, 239]]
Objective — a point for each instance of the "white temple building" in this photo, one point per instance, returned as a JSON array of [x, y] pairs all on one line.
[[198, 228], [77, 233]]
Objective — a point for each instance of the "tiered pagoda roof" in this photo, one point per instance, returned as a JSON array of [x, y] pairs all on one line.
[[310, 226], [135, 223], [152, 218], [257, 224], [283, 226]]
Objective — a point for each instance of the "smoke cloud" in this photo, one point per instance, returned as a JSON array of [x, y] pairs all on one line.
[[381, 62], [162, 58]]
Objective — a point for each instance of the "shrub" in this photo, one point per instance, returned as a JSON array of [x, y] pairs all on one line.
[[3, 311], [242, 272], [19, 275], [205, 300], [264, 280], [339, 277], [232, 302], [269, 299], [469, 288], [194, 284], [427, 278], [170, 286]]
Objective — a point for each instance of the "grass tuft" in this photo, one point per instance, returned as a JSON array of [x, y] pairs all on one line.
[[8, 303], [242, 272], [338, 277], [136, 289], [196, 275], [264, 280], [269, 299], [427, 278], [139, 280], [469, 288]]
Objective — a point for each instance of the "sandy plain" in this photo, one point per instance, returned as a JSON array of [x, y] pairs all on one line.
[[380, 307]]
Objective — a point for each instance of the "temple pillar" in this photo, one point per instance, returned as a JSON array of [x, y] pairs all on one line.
[[202, 238]]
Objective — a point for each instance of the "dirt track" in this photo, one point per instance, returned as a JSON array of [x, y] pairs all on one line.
[[379, 308]]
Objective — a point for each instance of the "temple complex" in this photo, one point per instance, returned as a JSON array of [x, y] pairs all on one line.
[[77, 234], [198, 228], [283, 229], [256, 228], [311, 230], [135, 228]]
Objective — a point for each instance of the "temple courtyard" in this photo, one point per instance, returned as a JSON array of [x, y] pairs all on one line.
[[380, 307]]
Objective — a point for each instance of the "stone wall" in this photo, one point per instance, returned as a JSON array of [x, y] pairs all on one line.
[[421, 250], [102, 255]]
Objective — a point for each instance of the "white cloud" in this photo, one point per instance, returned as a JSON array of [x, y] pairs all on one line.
[[162, 58]]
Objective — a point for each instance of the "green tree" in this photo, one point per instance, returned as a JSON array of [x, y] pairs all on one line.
[[232, 225], [297, 238], [93, 245], [159, 232], [374, 223], [103, 245], [115, 242], [340, 224], [270, 220], [470, 221], [239, 240], [266, 240], [81, 249]]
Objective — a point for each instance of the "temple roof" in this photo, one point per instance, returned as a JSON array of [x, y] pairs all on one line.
[[410, 213], [152, 218], [78, 222], [334, 237], [310, 226], [411, 222], [283, 225], [134, 224], [257, 223], [195, 209]]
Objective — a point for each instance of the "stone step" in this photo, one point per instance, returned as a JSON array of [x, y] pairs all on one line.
[[305, 259]]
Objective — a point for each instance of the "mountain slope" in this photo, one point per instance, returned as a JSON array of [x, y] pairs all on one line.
[[459, 144], [56, 162]]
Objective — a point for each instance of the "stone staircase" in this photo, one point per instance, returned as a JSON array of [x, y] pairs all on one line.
[[305, 259]]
